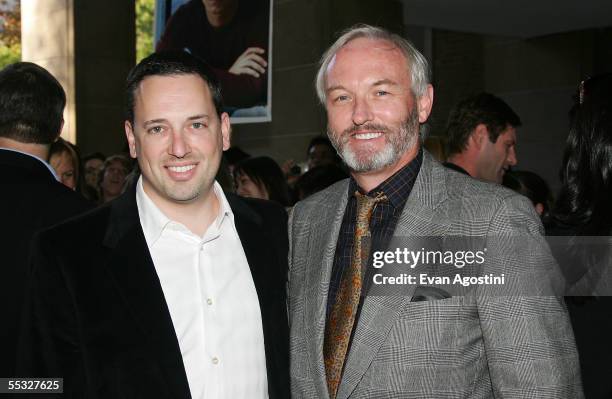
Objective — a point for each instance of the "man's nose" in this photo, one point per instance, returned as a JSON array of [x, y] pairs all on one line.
[[178, 145], [362, 112], [512, 160]]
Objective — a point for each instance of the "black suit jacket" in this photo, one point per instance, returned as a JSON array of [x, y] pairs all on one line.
[[30, 199], [97, 314]]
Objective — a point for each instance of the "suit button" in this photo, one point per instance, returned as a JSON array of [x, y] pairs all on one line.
[[209, 301], [215, 360]]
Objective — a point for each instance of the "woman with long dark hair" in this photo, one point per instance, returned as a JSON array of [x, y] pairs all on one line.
[[585, 200], [261, 177], [583, 213]]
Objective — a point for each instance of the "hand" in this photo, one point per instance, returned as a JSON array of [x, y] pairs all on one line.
[[250, 63], [287, 165]]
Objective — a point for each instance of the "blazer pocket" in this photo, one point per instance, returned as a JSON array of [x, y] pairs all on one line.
[[422, 293]]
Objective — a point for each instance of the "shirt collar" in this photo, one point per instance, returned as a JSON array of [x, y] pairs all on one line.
[[35, 157], [397, 187], [456, 167], [154, 221]]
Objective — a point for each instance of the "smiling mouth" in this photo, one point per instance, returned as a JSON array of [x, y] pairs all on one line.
[[367, 135], [181, 169]]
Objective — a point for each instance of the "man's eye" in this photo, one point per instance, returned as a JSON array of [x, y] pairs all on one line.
[[156, 130], [381, 93], [341, 98], [197, 125]]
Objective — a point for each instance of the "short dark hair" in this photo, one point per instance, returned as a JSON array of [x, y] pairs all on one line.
[[531, 186], [94, 155], [483, 108], [32, 103], [168, 63], [234, 155], [318, 179], [320, 140]]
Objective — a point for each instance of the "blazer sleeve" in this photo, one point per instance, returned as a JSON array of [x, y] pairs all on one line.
[[49, 343], [289, 260], [528, 337]]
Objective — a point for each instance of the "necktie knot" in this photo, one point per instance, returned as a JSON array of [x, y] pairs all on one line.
[[365, 207]]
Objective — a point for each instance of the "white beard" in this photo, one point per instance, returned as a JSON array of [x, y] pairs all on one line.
[[396, 144]]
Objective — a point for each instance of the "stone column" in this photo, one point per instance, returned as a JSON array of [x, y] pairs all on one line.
[[89, 46]]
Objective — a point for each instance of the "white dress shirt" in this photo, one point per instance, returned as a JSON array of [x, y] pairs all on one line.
[[212, 300]]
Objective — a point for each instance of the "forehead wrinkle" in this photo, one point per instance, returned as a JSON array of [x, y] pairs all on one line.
[[380, 45]]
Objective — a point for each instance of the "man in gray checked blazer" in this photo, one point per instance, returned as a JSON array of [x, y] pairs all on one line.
[[422, 344]]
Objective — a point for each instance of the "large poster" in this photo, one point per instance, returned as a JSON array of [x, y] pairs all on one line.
[[235, 38]]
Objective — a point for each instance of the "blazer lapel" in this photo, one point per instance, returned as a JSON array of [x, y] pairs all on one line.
[[249, 226], [132, 268], [379, 313], [322, 242]]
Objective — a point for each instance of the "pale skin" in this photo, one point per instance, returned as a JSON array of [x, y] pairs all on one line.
[[250, 63], [113, 181], [178, 139], [485, 160], [92, 169], [62, 164], [368, 82]]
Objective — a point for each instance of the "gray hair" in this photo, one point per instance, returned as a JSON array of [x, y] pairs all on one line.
[[418, 67]]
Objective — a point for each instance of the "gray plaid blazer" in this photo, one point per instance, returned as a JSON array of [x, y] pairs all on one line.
[[457, 347]]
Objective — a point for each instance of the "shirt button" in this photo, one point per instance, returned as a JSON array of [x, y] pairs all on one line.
[[215, 360], [209, 301]]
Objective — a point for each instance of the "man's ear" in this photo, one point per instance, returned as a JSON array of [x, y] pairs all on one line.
[[425, 103], [480, 136], [226, 130], [59, 133], [129, 134]]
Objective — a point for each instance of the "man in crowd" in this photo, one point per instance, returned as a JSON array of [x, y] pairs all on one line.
[[481, 137], [31, 106], [173, 290], [347, 344]]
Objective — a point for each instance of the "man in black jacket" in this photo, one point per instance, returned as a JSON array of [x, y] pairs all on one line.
[[173, 290], [31, 105]]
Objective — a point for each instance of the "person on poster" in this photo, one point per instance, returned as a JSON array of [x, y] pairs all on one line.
[[232, 37]]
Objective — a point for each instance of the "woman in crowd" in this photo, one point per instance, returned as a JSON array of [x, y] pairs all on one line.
[[92, 166], [261, 177], [65, 161], [112, 177], [583, 211]]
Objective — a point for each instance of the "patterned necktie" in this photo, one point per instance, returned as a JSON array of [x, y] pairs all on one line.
[[340, 324]]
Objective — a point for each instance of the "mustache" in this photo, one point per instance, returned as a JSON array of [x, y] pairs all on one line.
[[367, 126]]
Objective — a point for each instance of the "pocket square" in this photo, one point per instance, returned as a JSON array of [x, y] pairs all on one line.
[[429, 294]]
